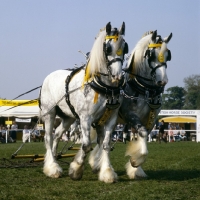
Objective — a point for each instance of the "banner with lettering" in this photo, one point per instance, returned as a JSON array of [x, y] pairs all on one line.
[[23, 120]]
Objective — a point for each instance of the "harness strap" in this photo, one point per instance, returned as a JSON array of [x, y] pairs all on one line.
[[158, 66], [114, 60], [108, 112], [98, 86], [68, 79]]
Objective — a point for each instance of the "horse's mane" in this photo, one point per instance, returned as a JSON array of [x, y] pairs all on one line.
[[147, 33], [137, 55], [97, 59]]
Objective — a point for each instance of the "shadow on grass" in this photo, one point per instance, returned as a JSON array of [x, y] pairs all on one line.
[[173, 175], [169, 175]]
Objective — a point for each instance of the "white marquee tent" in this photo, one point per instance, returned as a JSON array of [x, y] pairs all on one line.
[[19, 108]]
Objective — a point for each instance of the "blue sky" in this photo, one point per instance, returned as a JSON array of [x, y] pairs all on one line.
[[38, 37]]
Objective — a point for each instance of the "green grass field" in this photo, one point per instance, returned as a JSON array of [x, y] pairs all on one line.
[[173, 171]]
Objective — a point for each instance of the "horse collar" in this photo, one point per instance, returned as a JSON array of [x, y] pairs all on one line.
[[149, 93], [143, 88], [100, 87]]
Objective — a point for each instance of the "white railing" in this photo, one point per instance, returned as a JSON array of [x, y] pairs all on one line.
[[18, 130], [157, 132]]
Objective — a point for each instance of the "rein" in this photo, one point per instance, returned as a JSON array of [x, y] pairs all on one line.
[[146, 79]]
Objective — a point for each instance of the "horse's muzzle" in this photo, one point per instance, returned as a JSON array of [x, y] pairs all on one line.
[[116, 78], [161, 83]]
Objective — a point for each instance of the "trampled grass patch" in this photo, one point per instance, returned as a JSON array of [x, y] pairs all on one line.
[[173, 171]]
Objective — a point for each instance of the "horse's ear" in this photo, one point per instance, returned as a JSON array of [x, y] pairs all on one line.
[[108, 28], [168, 38], [122, 29], [154, 35]]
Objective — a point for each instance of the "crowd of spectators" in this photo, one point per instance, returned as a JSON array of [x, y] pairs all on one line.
[[9, 133], [174, 132]]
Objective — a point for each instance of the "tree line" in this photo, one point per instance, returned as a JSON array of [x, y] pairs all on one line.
[[187, 97]]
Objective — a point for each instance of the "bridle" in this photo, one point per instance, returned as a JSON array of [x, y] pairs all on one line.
[[107, 49], [138, 83], [150, 56]]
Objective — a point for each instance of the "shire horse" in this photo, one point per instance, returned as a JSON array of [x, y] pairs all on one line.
[[90, 94], [146, 77]]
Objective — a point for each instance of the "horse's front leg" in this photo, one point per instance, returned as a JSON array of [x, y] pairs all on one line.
[[107, 173], [96, 152], [137, 150], [77, 166], [135, 172]]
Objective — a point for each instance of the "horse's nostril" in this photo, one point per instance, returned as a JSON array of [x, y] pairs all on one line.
[[161, 83]]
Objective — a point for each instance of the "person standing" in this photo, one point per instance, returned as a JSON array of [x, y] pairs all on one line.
[[161, 132], [125, 133], [13, 131], [171, 134], [182, 134], [26, 134]]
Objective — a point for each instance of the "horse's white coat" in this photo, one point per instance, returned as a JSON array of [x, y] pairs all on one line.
[[52, 92]]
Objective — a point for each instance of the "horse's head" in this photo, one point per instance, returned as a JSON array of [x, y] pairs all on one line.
[[157, 56], [107, 55], [149, 58], [114, 49]]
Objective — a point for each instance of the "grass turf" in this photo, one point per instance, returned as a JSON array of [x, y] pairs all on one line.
[[173, 171]]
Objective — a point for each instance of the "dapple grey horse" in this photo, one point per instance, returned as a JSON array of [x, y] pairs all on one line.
[[86, 94]]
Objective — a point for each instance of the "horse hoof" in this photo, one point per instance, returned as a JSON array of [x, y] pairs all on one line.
[[76, 171], [55, 171], [75, 176], [108, 176]]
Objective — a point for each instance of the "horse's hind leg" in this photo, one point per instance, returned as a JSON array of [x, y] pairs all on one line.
[[63, 127], [51, 167]]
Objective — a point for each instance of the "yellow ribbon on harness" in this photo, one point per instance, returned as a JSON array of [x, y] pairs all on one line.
[[114, 37], [105, 117], [154, 45], [88, 77], [96, 95], [151, 118]]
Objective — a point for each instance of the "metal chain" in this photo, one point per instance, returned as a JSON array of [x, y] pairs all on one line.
[[131, 97]]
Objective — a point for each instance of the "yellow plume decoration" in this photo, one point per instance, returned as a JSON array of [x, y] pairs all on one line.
[[87, 74], [119, 52], [161, 57]]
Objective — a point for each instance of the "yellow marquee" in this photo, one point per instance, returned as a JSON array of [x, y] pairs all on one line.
[[179, 119]]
